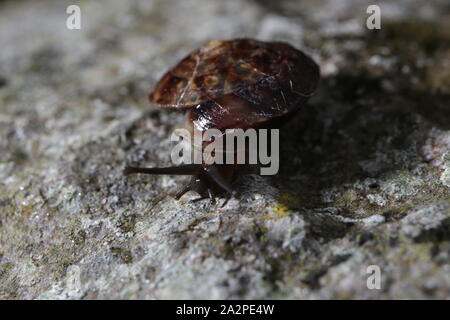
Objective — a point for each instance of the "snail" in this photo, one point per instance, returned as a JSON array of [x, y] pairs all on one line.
[[241, 83]]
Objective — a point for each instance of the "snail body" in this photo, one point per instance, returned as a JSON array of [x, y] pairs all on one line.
[[235, 84]]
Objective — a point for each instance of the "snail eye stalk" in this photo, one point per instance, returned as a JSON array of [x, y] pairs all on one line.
[[202, 178], [188, 169]]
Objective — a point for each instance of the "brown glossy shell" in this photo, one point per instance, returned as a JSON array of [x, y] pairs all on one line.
[[238, 83]]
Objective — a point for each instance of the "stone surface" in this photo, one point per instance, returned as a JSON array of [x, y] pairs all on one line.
[[365, 169]]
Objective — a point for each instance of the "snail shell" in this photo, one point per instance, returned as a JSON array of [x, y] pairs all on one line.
[[241, 83]]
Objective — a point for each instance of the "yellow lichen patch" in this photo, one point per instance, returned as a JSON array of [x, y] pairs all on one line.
[[285, 205], [282, 210]]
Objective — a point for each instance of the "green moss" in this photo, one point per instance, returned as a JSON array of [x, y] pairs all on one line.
[[5, 268], [124, 255], [78, 237], [127, 223]]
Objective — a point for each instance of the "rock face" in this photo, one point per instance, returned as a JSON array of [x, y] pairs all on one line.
[[365, 168]]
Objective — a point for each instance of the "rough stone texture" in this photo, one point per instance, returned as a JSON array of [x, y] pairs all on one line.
[[365, 177]]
